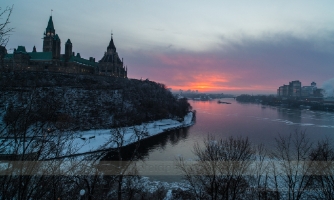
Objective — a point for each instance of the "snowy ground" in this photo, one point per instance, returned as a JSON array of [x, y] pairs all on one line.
[[96, 140]]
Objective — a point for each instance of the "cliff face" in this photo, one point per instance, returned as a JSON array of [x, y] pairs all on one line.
[[78, 102]]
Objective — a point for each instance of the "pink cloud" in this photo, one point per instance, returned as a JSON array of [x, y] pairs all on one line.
[[249, 67]]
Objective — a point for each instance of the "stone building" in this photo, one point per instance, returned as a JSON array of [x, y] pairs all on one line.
[[51, 59], [111, 64]]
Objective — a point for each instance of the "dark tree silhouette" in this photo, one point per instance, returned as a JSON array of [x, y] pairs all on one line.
[[4, 29], [219, 172]]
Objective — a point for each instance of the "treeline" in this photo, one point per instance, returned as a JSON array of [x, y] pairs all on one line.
[[264, 99], [203, 96], [286, 102], [89, 102]]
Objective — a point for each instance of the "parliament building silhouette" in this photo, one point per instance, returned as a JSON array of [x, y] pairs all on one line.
[[50, 59]]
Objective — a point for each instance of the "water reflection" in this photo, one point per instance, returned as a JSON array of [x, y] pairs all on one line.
[[157, 142], [291, 115], [261, 124]]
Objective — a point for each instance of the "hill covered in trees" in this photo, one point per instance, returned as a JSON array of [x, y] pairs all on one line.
[[85, 101]]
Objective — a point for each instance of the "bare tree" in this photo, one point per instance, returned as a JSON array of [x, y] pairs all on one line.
[[291, 158], [120, 137], [4, 29], [323, 170], [221, 168], [116, 179], [261, 179], [31, 146]]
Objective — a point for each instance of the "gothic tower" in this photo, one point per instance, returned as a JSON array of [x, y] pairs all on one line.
[[51, 42], [111, 49], [68, 49], [111, 64], [48, 36], [56, 47]]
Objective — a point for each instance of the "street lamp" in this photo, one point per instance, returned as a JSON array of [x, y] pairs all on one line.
[[82, 193]]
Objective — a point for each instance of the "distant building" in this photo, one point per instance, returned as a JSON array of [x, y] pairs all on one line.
[[283, 91], [291, 90], [295, 88], [318, 93], [51, 59], [309, 91]]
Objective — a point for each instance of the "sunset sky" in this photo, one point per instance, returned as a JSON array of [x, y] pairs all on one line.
[[210, 46]]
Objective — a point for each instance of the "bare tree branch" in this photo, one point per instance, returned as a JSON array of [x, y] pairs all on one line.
[[4, 29]]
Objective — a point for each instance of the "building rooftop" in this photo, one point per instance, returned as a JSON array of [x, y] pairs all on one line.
[[82, 61], [40, 55]]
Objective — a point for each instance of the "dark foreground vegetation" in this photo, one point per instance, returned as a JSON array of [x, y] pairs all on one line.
[[311, 103], [233, 168], [40, 114]]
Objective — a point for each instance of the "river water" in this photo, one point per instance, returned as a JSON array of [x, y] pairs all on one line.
[[261, 124]]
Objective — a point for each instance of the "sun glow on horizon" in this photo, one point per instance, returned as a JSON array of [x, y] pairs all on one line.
[[205, 87]]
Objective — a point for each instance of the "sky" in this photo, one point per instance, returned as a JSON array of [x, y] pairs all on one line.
[[215, 46]]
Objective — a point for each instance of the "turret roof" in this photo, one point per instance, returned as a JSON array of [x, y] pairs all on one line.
[[21, 49], [109, 58], [56, 37], [68, 41], [111, 44], [50, 26]]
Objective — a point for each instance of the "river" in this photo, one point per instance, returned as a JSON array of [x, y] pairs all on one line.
[[261, 124]]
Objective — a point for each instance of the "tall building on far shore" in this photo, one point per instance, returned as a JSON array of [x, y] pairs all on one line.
[[295, 88], [309, 91], [291, 90], [283, 91]]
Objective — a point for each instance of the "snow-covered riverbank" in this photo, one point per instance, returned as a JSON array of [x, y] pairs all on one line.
[[97, 140]]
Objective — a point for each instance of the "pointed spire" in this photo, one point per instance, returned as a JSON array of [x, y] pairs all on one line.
[[34, 49], [111, 44], [50, 27]]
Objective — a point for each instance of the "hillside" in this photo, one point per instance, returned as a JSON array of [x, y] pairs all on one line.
[[81, 102]]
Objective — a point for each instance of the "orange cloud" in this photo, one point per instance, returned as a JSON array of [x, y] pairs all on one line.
[[206, 73]]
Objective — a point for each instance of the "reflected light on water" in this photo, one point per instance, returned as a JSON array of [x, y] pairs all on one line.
[[261, 124]]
